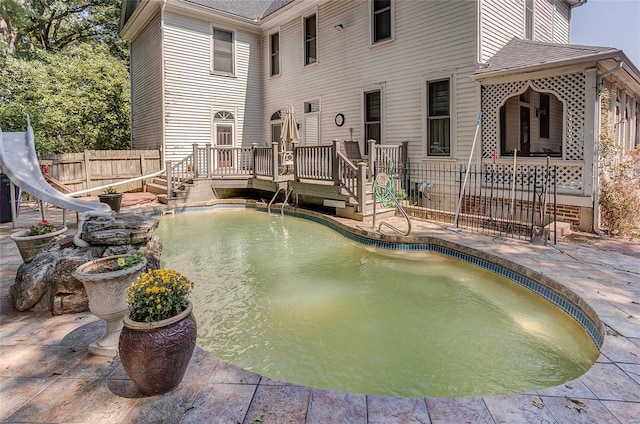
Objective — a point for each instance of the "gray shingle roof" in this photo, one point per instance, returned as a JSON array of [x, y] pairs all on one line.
[[519, 54], [250, 9]]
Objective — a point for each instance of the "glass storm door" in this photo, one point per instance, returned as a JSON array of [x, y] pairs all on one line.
[[224, 142]]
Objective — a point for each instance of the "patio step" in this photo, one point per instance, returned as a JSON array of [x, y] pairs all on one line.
[[156, 188]]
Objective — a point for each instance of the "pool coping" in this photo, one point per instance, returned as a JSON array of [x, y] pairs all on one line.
[[45, 366]]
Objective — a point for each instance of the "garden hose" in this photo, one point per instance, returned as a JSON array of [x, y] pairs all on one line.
[[384, 196]]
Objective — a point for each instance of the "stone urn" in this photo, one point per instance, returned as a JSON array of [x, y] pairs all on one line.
[[29, 246], [106, 293], [155, 355]]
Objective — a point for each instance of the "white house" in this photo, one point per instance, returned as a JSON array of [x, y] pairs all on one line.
[[222, 72]]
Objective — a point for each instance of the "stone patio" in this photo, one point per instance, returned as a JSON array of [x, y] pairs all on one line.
[[47, 375]]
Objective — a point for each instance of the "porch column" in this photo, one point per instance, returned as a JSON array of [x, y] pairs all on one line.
[[168, 168], [362, 187], [274, 161], [294, 152], [209, 157], [372, 158], [254, 150], [194, 158], [334, 162]]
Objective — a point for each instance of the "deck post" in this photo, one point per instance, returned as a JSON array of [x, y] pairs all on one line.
[[168, 167], [254, 153], [274, 161], [372, 158], [362, 187], [294, 147], [404, 164], [208, 159], [194, 159], [334, 162]]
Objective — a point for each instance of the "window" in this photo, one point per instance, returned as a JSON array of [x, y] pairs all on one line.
[[532, 123], [310, 40], [276, 127], [223, 52], [274, 42], [528, 19], [372, 118], [381, 20], [438, 118]]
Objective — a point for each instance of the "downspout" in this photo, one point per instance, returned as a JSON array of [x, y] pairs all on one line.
[[596, 153]]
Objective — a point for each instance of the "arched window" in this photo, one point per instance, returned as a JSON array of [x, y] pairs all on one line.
[[532, 123], [223, 116]]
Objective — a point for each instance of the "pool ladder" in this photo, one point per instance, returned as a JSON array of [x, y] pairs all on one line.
[[286, 199], [398, 205]]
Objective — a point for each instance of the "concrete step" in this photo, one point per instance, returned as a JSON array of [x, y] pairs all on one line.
[[156, 188]]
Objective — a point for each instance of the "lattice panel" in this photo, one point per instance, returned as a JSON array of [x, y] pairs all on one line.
[[570, 89], [493, 96], [570, 178]]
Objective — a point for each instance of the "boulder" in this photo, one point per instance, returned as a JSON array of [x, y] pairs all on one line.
[[124, 229], [32, 281]]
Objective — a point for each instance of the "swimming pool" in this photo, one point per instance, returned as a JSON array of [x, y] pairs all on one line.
[[295, 301]]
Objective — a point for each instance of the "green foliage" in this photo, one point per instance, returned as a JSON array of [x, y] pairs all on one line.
[[41, 228], [78, 99], [619, 179], [130, 260], [110, 190]]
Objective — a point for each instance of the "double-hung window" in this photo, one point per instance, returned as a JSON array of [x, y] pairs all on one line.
[[372, 118], [439, 118], [381, 20], [310, 39], [274, 47], [222, 52]]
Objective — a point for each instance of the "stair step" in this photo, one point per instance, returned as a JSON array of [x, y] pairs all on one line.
[[156, 188]]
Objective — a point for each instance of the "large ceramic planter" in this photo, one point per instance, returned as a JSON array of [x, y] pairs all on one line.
[[113, 200], [29, 246], [106, 294], [156, 355]]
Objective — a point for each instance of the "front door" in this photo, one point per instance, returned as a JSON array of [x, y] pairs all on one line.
[[224, 142]]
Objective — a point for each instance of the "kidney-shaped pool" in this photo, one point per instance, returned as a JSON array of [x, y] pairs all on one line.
[[296, 301]]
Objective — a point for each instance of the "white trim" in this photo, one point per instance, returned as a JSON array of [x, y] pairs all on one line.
[[212, 27], [222, 108], [453, 115], [269, 53], [392, 38], [303, 17]]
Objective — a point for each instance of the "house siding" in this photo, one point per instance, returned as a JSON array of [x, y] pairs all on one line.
[[348, 66], [146, 87], [193, 93], [503, 20]]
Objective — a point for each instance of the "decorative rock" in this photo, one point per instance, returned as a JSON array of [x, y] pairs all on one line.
[[67, 293], [32, 281], [124, 229]]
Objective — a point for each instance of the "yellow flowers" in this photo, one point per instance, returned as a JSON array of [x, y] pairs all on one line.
[[158, 294], [121, 262]]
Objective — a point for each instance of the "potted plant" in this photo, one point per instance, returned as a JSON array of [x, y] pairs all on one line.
[[105, 281], [159, 332], [36, 238], [112, 198]]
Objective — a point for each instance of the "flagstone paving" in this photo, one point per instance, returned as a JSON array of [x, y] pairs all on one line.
[[47, 375]]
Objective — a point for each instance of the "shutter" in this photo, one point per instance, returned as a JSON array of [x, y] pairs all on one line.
[[311, 133]]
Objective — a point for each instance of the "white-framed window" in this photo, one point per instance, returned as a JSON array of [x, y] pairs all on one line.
[[310, 31], [528, 19], [222, 51], [274, 54], [372, 117], [438, 117], [223, 135], [276, 126], [382, 20]]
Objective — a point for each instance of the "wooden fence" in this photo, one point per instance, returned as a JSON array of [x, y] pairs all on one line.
[[70, 172]]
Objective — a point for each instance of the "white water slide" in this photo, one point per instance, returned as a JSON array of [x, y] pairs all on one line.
[[19, 161]]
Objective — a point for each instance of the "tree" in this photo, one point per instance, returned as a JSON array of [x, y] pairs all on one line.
[[52, 25], [78, 98]]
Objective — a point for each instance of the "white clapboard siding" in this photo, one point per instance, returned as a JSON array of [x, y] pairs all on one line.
[[193, 93], [502, 20], [146, 87], [433, 39]]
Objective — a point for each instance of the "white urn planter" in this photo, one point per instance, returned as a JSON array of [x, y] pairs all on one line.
[[106, 294], [29, 246]]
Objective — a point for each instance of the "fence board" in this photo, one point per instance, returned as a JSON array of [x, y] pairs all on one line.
[[94, 168]]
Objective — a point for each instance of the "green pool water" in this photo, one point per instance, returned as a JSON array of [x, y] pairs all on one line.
[[295, 301]]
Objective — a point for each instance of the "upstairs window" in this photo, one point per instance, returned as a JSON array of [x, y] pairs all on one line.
[[381, 20], [310, 40], [438, 118], [528, 19], [222, 52], [274, 43]]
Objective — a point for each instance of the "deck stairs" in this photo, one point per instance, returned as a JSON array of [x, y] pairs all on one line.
[[351, 207], [158, 186]]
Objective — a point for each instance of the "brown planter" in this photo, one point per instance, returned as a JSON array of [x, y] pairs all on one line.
[[113, 200], [29, 246], [156, 355]]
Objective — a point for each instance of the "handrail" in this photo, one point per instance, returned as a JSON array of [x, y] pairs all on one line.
[[397, 202], [102, 187]]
